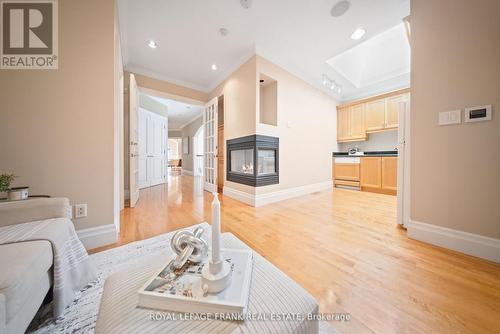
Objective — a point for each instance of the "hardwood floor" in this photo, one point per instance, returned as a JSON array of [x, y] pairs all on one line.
[[345, 248]]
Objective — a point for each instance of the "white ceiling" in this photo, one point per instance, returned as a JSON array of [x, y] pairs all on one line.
[[298, 35], [376, 60], [180, 114]]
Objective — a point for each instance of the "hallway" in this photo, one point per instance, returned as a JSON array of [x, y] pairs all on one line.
[[368, 267]]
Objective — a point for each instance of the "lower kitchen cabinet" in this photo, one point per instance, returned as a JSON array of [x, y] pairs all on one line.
[[390, 173], [379, 174], [371, 169]]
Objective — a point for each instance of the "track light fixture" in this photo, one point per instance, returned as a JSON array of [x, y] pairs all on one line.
[[330, 83]]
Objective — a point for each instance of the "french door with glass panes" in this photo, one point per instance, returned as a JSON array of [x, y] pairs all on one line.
[[210, 146]]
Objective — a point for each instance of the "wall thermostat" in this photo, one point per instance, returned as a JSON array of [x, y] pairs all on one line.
[[478, 114]]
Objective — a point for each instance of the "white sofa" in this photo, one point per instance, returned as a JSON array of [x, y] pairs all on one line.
[[25, 277]]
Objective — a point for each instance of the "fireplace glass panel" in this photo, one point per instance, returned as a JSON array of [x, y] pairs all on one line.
[[242, 161], [266, 161]]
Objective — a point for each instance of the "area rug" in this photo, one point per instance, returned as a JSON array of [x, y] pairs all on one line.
[[80, 317]]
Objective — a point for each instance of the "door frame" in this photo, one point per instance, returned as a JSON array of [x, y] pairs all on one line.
[[404, 164], [151, 92], [132, 140]]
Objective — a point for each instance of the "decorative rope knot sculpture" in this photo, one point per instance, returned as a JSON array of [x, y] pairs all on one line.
[[189, 246]]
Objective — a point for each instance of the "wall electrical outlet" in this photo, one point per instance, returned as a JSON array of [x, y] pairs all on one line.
[[80, 210]]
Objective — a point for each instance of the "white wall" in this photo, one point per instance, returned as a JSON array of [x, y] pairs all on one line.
[[307, 129], [455, 64]]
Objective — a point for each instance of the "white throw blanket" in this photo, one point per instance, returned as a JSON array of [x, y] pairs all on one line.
[[73, 268]]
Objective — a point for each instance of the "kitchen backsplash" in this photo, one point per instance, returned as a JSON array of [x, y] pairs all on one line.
[[379, 141]]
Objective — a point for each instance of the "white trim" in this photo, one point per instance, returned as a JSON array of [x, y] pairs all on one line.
[[239, 195], [98, 236], [258, 200], [186, 172], [170, 96], [155, 75], [468, 243], [277, 196]]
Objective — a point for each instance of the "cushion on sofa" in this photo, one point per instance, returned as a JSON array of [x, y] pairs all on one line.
[[23, 264]]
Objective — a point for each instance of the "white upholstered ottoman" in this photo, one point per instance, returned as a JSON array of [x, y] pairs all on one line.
[[271, 292]]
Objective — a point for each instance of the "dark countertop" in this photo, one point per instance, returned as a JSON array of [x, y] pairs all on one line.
[[368, 154]]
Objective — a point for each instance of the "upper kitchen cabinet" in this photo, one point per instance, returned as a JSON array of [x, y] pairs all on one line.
[[343, 124], [375, 115], [392, 110], [380, 113], [351, 123], [358, 122]]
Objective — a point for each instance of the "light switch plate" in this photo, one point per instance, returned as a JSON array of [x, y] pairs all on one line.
[[450, 117]]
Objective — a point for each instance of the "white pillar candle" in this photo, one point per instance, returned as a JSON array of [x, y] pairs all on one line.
[[216, 229]]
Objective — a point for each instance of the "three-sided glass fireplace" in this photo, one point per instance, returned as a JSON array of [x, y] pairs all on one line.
[[242, 154]]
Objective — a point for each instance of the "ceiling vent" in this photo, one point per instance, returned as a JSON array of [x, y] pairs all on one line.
[[340, 8]]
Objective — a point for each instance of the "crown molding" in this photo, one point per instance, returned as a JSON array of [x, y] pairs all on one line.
[[158, 76]]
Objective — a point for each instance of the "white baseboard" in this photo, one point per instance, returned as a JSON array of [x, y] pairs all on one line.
[[276, 196], [239, 195], [280, 195], [187, 172], [464, 242], [98, 236]]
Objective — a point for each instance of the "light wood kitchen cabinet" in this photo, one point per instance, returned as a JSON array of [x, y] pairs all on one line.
[[375, 115], [392, 110], [379, 174], [390, 173], [371, 171], [380, 113], [358, 122], [351, 123], [343, 124]]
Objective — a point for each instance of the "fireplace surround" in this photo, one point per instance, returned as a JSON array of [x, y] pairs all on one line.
[[253, 160]]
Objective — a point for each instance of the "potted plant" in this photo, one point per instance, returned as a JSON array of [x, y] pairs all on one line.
[[13, 194]]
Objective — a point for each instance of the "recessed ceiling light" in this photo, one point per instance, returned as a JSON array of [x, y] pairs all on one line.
[[214, 67], [358, 33], [340, 8], [246, 3], [152, 44]]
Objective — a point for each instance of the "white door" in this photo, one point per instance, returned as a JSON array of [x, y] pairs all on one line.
[[143, 148], [134, 139], [152, 149], [403, 187], [210, 146], [157, 150], [198, 141]]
